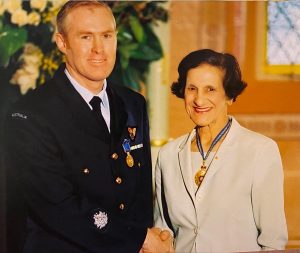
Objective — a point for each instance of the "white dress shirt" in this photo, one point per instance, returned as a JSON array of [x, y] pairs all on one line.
[[87, 96]]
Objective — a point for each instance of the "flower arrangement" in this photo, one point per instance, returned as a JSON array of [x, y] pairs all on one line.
[[29, 56]]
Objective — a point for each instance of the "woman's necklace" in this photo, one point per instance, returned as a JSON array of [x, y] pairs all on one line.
[[200, 174]]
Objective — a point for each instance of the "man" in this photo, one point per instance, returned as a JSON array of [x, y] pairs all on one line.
[[78, 153]]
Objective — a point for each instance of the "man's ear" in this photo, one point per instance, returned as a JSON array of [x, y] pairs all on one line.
[[61, 42]]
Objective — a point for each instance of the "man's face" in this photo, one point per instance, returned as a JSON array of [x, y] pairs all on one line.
[[89, 44]]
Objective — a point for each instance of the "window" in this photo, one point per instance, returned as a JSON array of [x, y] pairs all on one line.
[[282, 53]]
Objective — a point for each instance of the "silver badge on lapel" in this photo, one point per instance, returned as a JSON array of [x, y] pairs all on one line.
[[100, 219]]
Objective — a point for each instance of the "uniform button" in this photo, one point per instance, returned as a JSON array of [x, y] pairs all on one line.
[[196, 230], [86, 171], [216, 158], [122, 206], [118, 180], [139, 165], [114, 156]]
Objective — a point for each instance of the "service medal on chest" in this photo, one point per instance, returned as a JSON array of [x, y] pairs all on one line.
[[129, 158]]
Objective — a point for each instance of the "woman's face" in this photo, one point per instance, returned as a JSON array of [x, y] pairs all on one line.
[[205, 99]]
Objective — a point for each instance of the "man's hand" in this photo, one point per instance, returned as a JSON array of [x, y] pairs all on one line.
[[158, 241]]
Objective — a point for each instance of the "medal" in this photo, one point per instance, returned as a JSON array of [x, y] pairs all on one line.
[[126, 147], [198, 178], [202, 171], [200, 174], [129, 160]]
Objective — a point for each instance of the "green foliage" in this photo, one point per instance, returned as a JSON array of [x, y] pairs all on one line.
[[138, 46], [11, 40]]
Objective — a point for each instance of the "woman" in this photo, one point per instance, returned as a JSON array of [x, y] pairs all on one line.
[[220, 187]]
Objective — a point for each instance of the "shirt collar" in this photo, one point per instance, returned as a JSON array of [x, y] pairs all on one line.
[[86, 94]]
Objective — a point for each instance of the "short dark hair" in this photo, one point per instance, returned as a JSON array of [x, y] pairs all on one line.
[[71, 5], [232, 83]]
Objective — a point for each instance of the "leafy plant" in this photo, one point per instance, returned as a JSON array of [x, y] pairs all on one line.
[[29, 57], [138, 45]]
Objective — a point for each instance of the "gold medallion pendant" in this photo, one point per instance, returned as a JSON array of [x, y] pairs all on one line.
[[199, 176], [129, 160]]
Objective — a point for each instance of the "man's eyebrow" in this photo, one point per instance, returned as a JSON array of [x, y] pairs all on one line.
[[103, 32], [109, 31]]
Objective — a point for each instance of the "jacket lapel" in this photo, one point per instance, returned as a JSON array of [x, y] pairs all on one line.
[[80, 112], [118, 115], [184, 157], [222, 155]]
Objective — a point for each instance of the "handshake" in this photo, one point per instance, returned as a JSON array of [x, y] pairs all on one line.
[[157, 241]]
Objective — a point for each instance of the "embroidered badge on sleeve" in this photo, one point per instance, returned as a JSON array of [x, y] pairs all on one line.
[[18, 115]]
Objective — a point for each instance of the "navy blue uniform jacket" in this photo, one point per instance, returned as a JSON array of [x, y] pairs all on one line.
[[66, 174]]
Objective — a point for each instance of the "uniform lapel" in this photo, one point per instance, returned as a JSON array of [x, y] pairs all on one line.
[[80, 112], [184, 156], [118, 115]]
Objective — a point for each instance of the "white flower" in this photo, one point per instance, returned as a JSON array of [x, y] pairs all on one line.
[[32, 70], [12, 5], [30, 48], [38, 4], [34, 18], [32, 55], [24, 79], [19, 17], [33, 59], [27, 75]]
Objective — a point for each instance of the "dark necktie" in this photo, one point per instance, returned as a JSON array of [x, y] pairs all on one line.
[[96, 105]]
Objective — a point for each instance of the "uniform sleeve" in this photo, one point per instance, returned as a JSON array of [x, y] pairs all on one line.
[[268, 198], [148, 177], [34, 159]]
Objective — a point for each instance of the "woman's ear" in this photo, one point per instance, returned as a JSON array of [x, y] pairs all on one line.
[[230, 101]]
